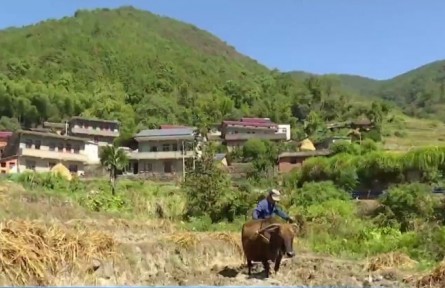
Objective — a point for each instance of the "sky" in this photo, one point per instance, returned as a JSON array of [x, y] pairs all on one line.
[[374, 38]]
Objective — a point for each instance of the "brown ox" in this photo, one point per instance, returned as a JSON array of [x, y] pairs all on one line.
[[267, 240]]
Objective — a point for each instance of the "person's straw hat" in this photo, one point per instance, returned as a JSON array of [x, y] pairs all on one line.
[[275, 194]]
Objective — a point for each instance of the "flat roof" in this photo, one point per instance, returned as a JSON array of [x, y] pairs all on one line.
[[51, 135], [166, 132]]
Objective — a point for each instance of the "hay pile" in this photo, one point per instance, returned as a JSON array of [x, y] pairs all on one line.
[[307, 145], [434, 279], [32, 253], [61, 170], [390, 260]]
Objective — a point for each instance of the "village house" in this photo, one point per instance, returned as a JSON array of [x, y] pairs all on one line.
[[236, 133], [39, 151], [8, 164], [163, 151], [102, 132], [4, 136], [290, 160]]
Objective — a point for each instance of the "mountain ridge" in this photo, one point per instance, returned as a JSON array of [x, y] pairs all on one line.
[[144, 70]]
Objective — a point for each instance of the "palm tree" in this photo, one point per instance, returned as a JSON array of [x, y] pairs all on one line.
[[114, 159]]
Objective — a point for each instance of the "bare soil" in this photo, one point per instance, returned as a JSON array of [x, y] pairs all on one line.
[[156, 254]]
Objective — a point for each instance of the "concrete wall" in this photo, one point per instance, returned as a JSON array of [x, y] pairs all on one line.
[[59, 145], [173, 145], [286, 164], [44, 165], [285, 128], [8, 165], [157, 166], [92, 152]]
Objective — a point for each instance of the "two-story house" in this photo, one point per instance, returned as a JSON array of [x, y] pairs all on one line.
[[40, 151], [236, 133], [102, 132], [162, 151]]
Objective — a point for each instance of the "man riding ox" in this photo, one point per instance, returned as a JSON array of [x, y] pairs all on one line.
[[267, 207], [264, 238]]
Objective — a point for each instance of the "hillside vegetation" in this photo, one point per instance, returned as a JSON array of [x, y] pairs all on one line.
[[146, 70], [419, 92]]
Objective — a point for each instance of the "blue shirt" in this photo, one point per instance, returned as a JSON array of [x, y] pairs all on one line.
[[265, 209]]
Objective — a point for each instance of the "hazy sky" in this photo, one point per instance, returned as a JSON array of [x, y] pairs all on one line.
[[374, 38]]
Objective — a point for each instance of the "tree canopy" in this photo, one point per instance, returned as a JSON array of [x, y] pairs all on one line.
[[145, 70]]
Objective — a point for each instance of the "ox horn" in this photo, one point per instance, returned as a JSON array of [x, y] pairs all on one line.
[[268, 227]]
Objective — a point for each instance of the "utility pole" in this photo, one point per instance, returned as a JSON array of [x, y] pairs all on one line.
[[183, 160]]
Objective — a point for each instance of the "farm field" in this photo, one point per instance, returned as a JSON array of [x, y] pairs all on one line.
[[43, 232], [412, 132]]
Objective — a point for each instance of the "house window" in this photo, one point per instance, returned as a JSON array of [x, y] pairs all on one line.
[[73, 168], [52, 146], [96, 139], [31, 165], [28, 143], [154, 148], [37, 144], [148, 167], [293, 161], [3, 164], [3, 172], [51, 164], [175, 147], [60, 147], [76, 149], [168, 167], [166, 147], [68, 147]]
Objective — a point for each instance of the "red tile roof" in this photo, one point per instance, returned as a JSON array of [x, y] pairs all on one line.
[[5, 134]]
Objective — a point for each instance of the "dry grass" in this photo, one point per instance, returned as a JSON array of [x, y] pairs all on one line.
[[189, 239], [435, 278], [32, 253], [390, 261]]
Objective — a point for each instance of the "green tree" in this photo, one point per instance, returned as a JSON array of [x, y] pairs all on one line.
[[114, 159], [207, 188]]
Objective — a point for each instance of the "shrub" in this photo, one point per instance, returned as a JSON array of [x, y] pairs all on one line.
[[316, 193], [408, 202]]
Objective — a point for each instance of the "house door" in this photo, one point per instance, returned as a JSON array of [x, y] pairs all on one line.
[[168, 167], [135, 167]]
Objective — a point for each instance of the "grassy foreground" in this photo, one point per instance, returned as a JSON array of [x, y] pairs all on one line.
[[56, 232]]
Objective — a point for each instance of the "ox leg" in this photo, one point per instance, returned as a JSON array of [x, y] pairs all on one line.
[[249, 267], [266, 268], [277, 263]]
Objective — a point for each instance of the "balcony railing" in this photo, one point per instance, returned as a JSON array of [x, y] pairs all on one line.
[[45, 154], [160, 155], [92, 131]]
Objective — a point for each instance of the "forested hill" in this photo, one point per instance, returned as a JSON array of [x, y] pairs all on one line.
[[146, 70], [419, 92]]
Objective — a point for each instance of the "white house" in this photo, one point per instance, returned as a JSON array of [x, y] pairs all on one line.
[[284, 129], [92, 152]]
